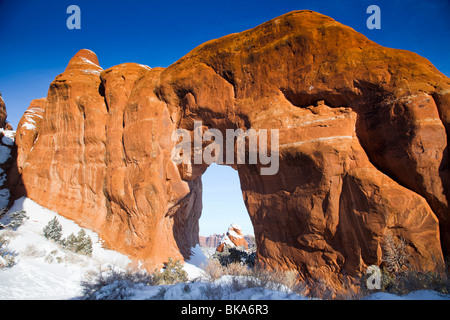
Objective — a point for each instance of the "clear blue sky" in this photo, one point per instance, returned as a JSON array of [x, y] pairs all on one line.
[[222, 202], [36, 44]]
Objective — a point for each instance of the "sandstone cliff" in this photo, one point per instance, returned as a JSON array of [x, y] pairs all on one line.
[[362, 136], [2, 112], [7, 155]]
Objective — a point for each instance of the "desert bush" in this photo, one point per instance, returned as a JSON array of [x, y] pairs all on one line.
[[113, 284], [235, 255], [395, 255], [237, 269], [13, 220], [214, 269], [212, 292], [399, 277], [80, 243], [284, 280], [343, 287], [7, 258], [320, 289], [31, 251], [404, 282], [281, 280], [172, 273]]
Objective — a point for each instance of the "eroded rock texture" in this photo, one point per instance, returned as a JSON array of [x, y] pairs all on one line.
[[233, 238], [363, 147], [6, 156], [2, 112]]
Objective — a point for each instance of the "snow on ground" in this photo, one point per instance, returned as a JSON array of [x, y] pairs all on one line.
[[208, 251], [221, 289], [194, 266], [45, 271]]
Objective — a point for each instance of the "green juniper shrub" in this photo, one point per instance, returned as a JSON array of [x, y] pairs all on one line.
[[172, 273], [235, 255], [80, 243], [53, 230]]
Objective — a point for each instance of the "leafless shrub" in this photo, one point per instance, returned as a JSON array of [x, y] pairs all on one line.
[[320, 289], [214, 269], [116, 284], [283, 280], [7, 258], [31, 251], [398, 275], [12, 220], [113, 284], [395, 255], [213, 292], [237, 269]]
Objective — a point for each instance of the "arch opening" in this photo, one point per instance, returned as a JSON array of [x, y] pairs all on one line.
[[223, 205]]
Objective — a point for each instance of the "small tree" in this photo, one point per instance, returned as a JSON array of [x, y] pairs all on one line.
[[53, 230], [84, 243], [7, 258], [235, 255], [13, 219], [80, 243], [173, 273]]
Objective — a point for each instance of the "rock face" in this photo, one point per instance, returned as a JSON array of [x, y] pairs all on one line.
[[100, 153], [27, 130], [363, 148], [210, 241], [7, 136], [2, 112], [233, 238]]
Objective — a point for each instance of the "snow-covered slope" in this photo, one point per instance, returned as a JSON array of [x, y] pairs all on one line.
[[44, 270]]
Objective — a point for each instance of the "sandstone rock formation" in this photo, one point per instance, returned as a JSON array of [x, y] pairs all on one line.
[[27, 130], [233, 238], [213, 241], [362, 135], [2, 112], [6, 155]]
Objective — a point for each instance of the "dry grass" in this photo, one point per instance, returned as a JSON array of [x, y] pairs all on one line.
[[282, 280]]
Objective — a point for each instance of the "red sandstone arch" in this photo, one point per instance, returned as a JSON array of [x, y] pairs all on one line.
[[363, 147]]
